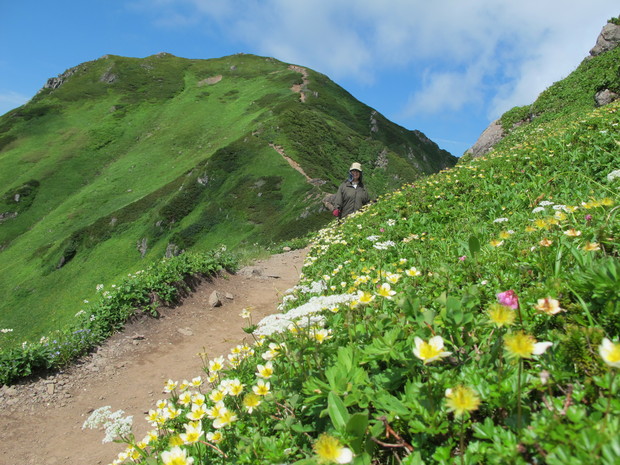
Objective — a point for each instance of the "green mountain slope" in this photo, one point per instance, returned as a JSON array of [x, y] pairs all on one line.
[[471, 317], [121, 160]]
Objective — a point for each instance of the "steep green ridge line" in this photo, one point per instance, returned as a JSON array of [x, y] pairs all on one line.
[[121, 161]]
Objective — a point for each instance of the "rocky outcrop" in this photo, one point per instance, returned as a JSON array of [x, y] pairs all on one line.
[[608, 39], [374, 125], [491, 136], [382, 159], [605, 96], [56, 82]]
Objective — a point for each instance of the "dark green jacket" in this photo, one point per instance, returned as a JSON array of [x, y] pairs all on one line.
[[350, 199]]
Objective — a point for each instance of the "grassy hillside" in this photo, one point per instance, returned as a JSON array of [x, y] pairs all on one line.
[[120, 161], [469, 317]]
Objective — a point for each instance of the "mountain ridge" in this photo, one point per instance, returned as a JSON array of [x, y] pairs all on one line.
[[120, 160]]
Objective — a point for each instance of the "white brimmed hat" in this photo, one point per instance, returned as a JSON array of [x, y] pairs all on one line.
[[356, 166]]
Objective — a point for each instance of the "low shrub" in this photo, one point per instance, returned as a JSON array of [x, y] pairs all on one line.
[[162, 283]]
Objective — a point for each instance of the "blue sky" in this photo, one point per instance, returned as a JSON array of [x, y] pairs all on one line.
[[445, 67]]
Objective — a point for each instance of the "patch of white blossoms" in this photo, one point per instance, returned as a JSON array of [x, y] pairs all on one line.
[[315, 287], [280, 322], [114, 424], [383, 245]]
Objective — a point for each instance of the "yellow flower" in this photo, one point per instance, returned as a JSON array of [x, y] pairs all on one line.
[[175, 441], [504, 235], [501, 315], [170, 386], [226, 418], [462, 399], [198, 398], [545, 242], [215, 411], [217, 395], [413, 271], [193, 431], [591, 246], [251, 401], [393, 277], [161, 404], [530, 229], [176, 456], [153, 416], [549, 306], [431, 350], [234, 387], [607, 202], [523, 345], [216, 365], [198, 411], [172, 412], [541, 223], [365, 297], [496, 243], [196, 382], [329, 450], [265, 371], [386, 291], [610, 353], [321, 335], [261, 388], [215, 437]]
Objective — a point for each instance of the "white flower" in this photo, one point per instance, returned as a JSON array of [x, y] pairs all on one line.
[[384, 245], [176, 456], [610, 353], [114, 424], [613, 175], [373, 238], [545, 203], [500, 220], [279, 322], [538, 209]]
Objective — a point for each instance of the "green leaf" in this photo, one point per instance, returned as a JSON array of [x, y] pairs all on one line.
[[337, 411], [391, 404], [474, 245], [357, 424]]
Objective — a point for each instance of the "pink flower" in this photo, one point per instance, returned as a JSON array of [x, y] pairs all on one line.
[[588, 217], [463, 258], [382, 230], [508, 298]]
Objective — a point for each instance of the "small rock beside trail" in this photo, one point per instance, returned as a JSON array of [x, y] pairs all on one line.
[[215, 300]]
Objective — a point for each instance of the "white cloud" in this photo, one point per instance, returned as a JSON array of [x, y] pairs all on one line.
[[498, 53]]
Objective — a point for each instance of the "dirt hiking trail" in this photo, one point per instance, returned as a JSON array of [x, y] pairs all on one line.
[[41, 421]]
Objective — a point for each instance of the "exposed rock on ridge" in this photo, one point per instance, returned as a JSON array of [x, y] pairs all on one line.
[[608, 39]]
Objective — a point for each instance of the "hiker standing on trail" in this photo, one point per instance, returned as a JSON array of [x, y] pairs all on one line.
[[352, 194]]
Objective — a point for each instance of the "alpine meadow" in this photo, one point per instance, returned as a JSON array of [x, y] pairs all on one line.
[[471, 315]]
